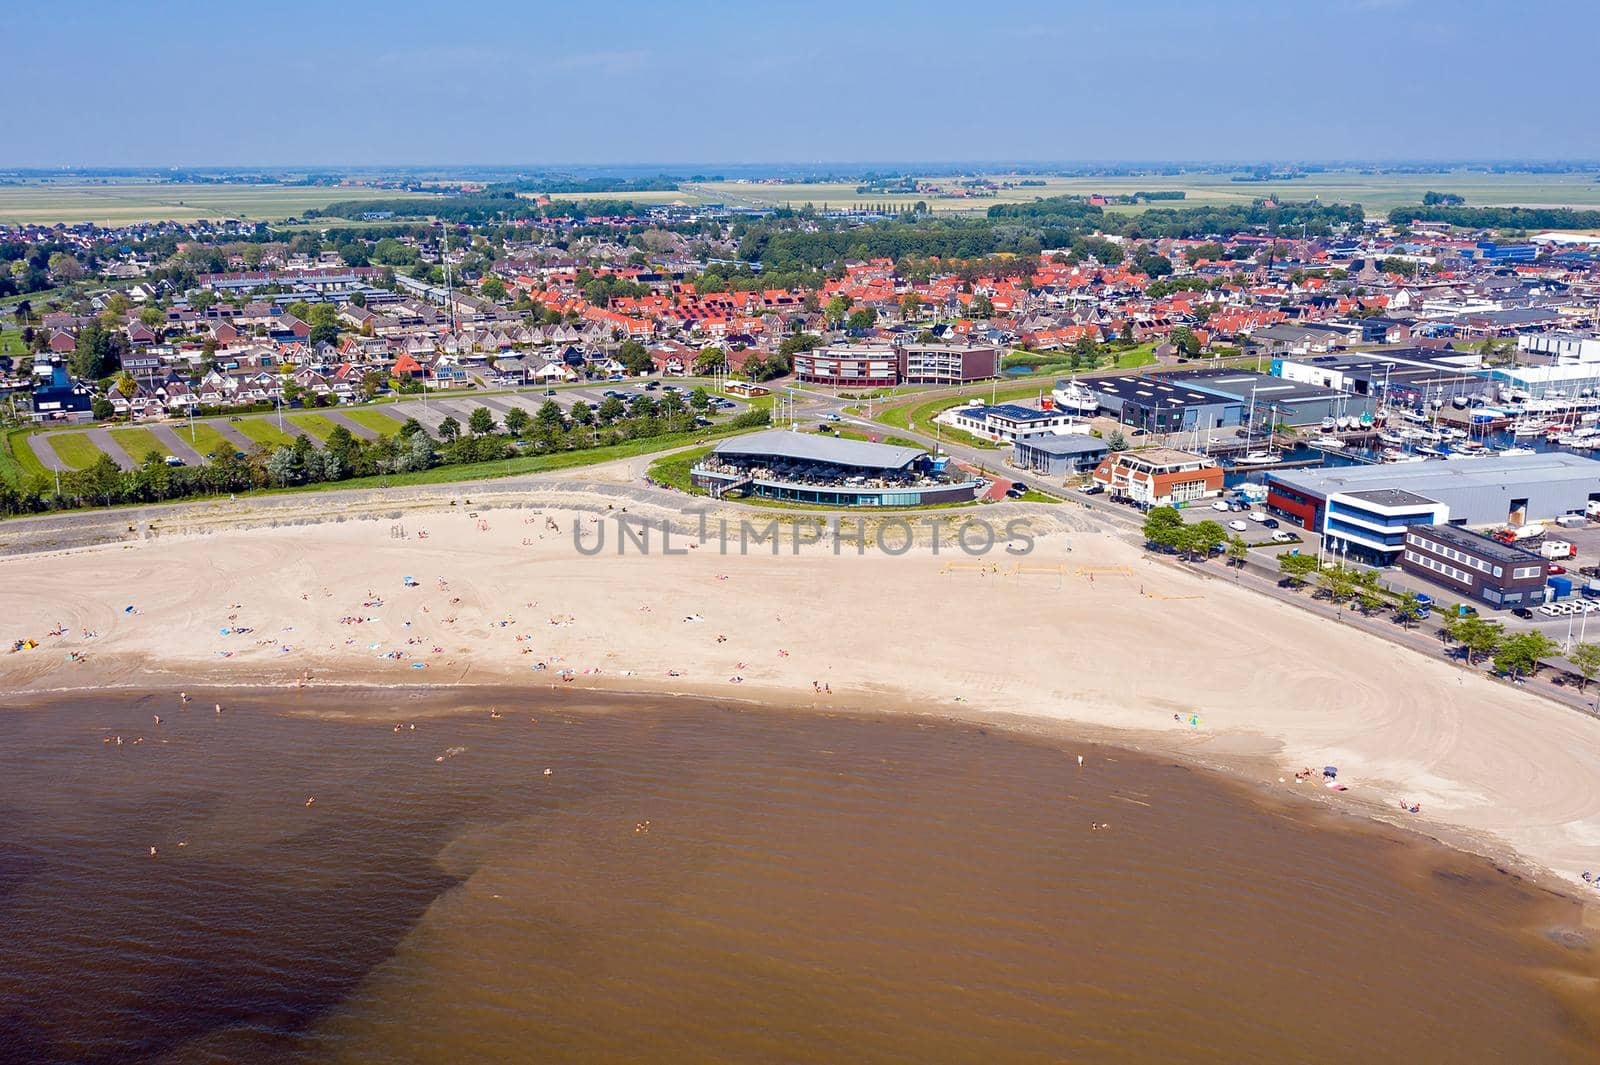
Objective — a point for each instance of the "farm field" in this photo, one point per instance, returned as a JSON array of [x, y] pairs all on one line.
[[120, 201], [1376, 193]]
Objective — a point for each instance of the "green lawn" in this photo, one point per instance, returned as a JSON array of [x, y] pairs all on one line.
[[18, 463], [673, 470], [139, 442], [263, 431], [376, 420], [75, 449], [206, 438], [318, 425]]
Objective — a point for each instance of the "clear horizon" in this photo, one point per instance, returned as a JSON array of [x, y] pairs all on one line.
[[362, 84]]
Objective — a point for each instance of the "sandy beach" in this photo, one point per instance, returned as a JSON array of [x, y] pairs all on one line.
[[1085, 631]]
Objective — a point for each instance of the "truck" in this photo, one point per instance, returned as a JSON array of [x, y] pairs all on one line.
[[1554, 549], [1518, 534]]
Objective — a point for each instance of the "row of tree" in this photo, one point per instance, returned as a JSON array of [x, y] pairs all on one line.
[[344, 455], [1517, 654]]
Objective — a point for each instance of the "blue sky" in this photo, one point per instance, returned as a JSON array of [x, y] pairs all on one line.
[[612, 81]]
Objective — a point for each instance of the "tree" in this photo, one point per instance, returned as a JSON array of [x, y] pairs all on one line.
[[1520, 653], [699, 399], [100, 408], [1238, 550], [1586, 657], [203, 301], [1409, 609], [635, 356], [610, 409], [449, 429], [517, 419], [95, 352], [493, 288], [154, 317], [710, 359], [283, 465], [371, 383], [549, 421], [65, 267], [1478, 636], [1163, 527], [1116, 441], [838, 307], [481, 421], [981, 306], [862, 320], [1185, 341], [582, 413], [1207, 537], [1296, 567], [911, 306]]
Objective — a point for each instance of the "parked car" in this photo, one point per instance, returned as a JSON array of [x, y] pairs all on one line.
[[1220, 504], [1257, 515], [1555, 570], [549, 391], [1522, 612], [1238, 526], [1271, 523], [1283, 538], [1094, 489]]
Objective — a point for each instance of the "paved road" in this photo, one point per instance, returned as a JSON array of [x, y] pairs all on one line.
[[178, 444], [103, 440], [232, 435], [45, 453]]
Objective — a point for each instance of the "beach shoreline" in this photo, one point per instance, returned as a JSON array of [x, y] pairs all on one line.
[[1086, 638]]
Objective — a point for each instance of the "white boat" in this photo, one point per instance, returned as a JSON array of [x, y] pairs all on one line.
[[1391, 439], [1074, 398], [1513, 452], [1329, 425], [1527, 429], [1258, 458], [1430, 451], [1332, 443]]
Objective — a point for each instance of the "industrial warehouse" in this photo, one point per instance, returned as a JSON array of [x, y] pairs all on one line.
[[1365, 510], [830, 471]]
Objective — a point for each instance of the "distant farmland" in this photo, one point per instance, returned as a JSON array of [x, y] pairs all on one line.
[[120, 201], [1376, 193]]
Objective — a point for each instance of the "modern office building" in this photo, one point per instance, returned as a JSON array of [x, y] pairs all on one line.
[[830, 471], [1059, 456], [851, 367], [1480, 568], [948, 364], [1011, 421], [1498, 490], [1370, 525], [883, 366], [1160, 476]]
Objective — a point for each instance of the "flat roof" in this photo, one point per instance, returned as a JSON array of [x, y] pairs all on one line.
[[1429, 478], [1166, 456], [1238, 384], [1152, 391], [1014, 411], [1064, 444], [1390, 497], [815, 447], [1481, 546]]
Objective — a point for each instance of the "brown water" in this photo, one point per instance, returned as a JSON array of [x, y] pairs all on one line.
[[700, 884]]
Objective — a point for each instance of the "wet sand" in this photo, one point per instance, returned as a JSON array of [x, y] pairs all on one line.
[[704, 882]]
